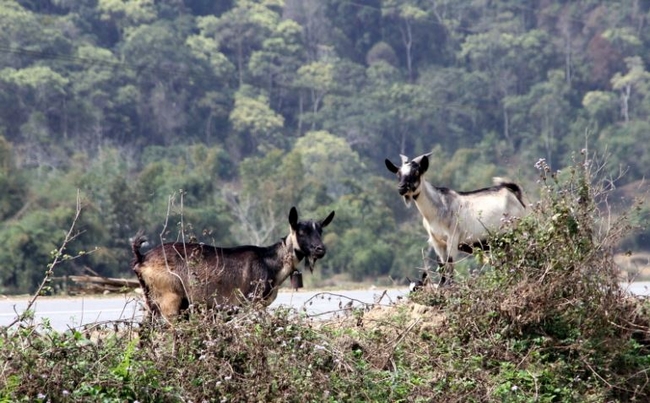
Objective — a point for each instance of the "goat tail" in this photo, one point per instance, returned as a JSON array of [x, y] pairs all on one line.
[[498, 181], [138, 240], [511, 186]]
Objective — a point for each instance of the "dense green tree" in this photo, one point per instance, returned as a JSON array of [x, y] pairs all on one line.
[[637, 79], [541, 117], [601, 106], [27, 37], [217, 100], [625, 152], [15, 186], [271, 185], [127, 14], [410, 16], [275, 65], [356, 27], [195, 170], [402, 109], [38, 93], [317, 28], [209, 120], [162, 62], [329, 160], [255, 123], [511, 61], [354, 246], [26, 252], [104, 101], [33, 235], [338, 102], [242, 29], [453, 101], [360, 255], [317, 79]]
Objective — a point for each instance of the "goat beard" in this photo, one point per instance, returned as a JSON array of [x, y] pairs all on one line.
[[407, 200], [310, 262]]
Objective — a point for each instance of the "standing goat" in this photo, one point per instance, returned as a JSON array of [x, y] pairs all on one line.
[[175, 275], [455, 220]]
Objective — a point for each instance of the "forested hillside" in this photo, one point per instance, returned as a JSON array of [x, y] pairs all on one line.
[[215, 117]]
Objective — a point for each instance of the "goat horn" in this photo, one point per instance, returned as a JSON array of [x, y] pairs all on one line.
[[404, 158], [418, 159]]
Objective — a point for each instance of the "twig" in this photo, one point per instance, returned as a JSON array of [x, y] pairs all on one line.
[[332, 312], [337, 295], [597, 375], [98, 325], [401, 336]]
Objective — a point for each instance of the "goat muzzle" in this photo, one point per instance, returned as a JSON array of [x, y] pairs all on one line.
[[319, 252]]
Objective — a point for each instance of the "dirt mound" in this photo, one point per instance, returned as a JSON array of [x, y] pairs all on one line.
[[406, 312], [383, 330]]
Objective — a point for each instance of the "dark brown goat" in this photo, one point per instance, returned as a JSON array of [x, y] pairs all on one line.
[[175, 275]]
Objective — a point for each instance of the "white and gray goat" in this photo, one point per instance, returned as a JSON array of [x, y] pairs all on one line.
[[175, 275], [455, 220]]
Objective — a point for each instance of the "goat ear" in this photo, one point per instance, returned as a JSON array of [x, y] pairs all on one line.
[[424, 164], [327, 220], [391, 167], [293, 218]]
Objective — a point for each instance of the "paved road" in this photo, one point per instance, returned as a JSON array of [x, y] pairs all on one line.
[[64, 313], [67, 312]]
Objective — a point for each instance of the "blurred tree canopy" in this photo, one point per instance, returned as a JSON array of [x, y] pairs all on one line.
[[214, 118]]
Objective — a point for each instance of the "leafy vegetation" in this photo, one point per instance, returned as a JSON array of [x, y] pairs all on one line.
[[235, 110], [546, 320]]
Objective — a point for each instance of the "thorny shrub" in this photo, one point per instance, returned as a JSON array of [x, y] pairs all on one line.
[[548, 320]]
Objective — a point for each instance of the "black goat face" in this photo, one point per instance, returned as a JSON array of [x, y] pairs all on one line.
[[409, 178], [308, 241], [409, 174]]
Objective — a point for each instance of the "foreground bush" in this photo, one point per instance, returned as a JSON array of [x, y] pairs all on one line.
[[256, 356], [546, 321]]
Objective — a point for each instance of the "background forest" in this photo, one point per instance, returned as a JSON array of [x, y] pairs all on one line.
[[215, 117]]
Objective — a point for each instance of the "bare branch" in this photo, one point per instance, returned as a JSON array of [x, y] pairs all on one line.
[[257, 219]]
